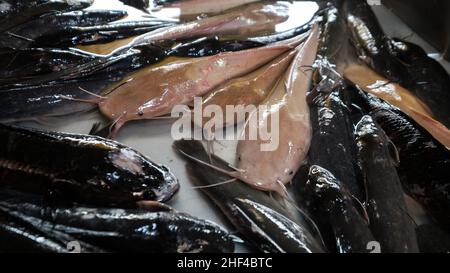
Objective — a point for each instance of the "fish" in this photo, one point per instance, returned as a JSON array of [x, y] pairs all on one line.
[[139, 4], [427, 79], [398, 96], [271, 170], [99, 34], [78, 168], [19, 238], [389, 220], [249, 89], [21, 65], [65, 91], [250, 20], [14, 13], [24, 35], [332, 205], [121, 230], [400, 62], [424, 162], [369, 40], [333, 144], [208, 46], [149, 94], [266, 223]]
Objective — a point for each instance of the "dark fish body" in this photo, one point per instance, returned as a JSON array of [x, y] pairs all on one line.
[[389, 221], [265, 222], [432, 239], [272, 38], [21, 65], [372, 45], [88, 35], [121, 230], [18, 237], [333, 145], [42, 96], [332, 205], [427, 79], [211, 46], [80, 168], [13, 13], [24, 35], [424, 167], [401, 62]]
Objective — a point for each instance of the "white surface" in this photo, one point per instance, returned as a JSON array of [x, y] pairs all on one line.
[[153, 138]]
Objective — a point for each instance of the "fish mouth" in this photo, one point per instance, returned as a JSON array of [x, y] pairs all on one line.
[[167, 190]]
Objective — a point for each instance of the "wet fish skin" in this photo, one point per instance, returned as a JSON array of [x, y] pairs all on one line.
[[24, 35], [333, 145], [18, 237], [333, 207], [41, 97], [427, 79], [386, 207], [121, 230], [21, 65], [14, 13], [268, 224], [371, 43], [211, 46], [98, 34], [80, 168], [424, 166]]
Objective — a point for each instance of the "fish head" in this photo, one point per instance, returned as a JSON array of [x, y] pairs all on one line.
[[322, 181], [366, 130], [133, 174]]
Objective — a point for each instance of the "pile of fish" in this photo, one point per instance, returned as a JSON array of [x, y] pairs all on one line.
[[363, 131]]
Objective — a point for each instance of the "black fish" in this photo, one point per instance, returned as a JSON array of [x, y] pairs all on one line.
[[211, 46], [18, 237], [333, 145], [332, 205], [372, 45], [25, 34], [389, 220], [80, 168], [427, 79], [50, 95], [120, 230], [86, 35], [22, 65], [424, 167], [401, 62], [15, 12], [265, 222]]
